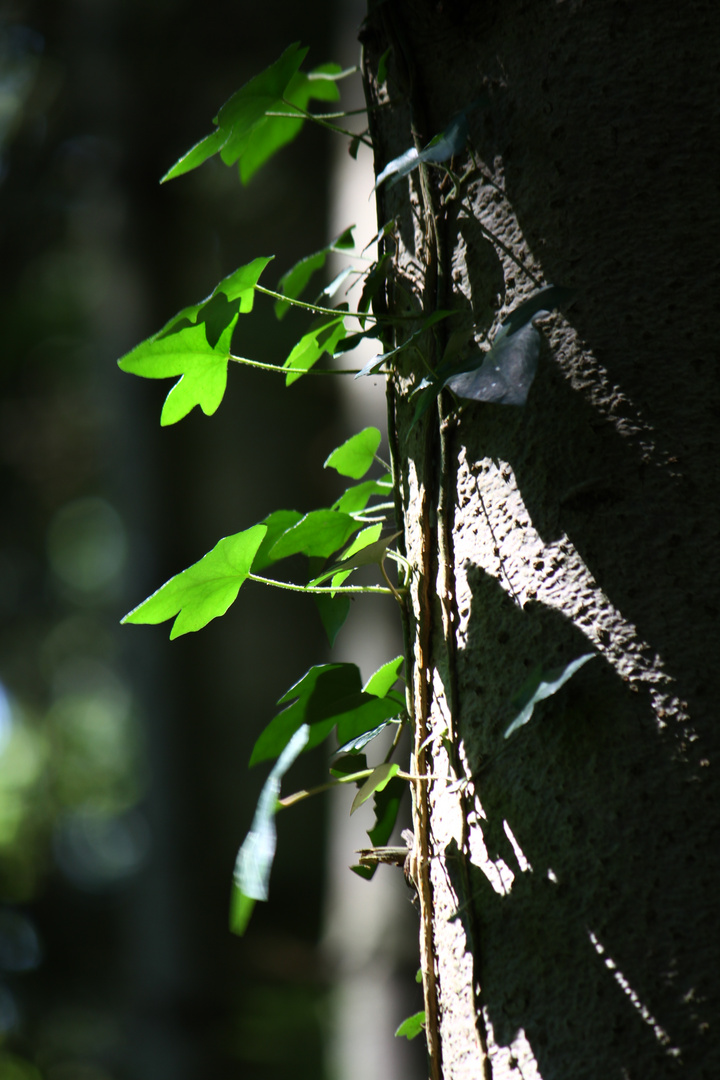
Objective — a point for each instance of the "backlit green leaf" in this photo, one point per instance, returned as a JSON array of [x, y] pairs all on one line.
[[356, 498], [375, 782], [356, 454], [242, 112], [255, 857], [382, 682], [206, 589], [412, 1027], [323, 337], [195, 345]]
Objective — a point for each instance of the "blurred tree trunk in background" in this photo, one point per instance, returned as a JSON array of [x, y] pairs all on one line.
[[129, 733], [569, 882]]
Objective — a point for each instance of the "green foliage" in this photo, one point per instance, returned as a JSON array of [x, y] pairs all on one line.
[[328, 696], [294, 282], [379, 778], [412, 1027], [247, 131], [206, 589], [356, 455], [195, 345]]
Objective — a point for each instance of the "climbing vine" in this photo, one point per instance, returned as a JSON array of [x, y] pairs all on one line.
[[203, 342]]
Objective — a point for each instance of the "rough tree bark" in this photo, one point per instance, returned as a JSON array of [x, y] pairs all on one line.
[[568, 876]]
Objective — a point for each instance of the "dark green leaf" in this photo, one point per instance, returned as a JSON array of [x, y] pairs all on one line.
[[542, 302], [348, 765], [277, 524], [334, 610], [356, 454], [382, 67], [294, 282], [541, 685], [319, 533], [206, 589], [255, 857], [505, 373], [387, 805], [313, 700], [374, 280]]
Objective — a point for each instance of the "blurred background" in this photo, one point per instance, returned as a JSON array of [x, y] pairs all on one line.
[[124, 789]]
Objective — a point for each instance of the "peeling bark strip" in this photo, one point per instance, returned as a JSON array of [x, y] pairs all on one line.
[[568, 875]]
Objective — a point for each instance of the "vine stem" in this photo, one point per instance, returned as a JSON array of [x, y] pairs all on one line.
[[292, 370], [351, 778], [338, 312], [324, 590]]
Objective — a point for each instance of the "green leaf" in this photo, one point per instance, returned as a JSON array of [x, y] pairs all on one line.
[[377, 780], [313, 700], [255, 858], [328, 695], [374, 280], [541, 685], [412, 1027], [356, 454], [382, 682], [323, 337], [242, 112], [195, 345], [294, 282], [367, 548], [348, 765], [319, 533], [333, 610], [387, 805], [277, 524], [355, 499], [206, 589], [271, 133]]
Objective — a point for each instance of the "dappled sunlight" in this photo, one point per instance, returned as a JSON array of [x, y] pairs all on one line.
[[658, 1031]]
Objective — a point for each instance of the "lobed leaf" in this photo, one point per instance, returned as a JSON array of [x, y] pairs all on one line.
[[327, 696], [195, 344], [242, 112], [206, 589], [255, 858], [412, 1027]]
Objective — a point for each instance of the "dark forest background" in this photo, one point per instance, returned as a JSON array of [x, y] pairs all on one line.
[[124, 790]]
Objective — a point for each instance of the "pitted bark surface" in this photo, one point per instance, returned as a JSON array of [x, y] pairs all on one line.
[[575, 865]]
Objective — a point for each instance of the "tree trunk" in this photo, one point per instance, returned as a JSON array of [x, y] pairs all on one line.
[[568, 875]]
